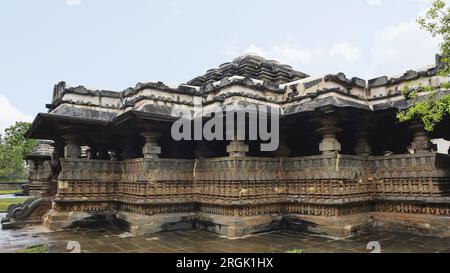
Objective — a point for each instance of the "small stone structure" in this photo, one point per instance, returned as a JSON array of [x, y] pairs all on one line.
[[342, 166], [41, 180], [41, 185]]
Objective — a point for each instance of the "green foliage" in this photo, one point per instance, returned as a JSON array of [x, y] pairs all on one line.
[[34, 249], [5, 203], [432, 108], [437, 22], [431, 111], [13, 148], [3, 192]]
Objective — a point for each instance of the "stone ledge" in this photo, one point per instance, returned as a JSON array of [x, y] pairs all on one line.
[[413, 223], [235, 227]]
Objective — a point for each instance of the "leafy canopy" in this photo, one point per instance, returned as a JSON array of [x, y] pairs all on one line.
[[13, 148], [433, 107]]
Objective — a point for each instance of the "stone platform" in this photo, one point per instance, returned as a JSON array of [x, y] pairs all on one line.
[[110, 238], [235, 227]]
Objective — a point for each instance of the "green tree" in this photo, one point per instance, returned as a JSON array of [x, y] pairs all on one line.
[[432, 108], [13, 148]]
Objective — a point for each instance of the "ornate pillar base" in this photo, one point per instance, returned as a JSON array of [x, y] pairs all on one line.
[[421, 142], [329, 129], [151, 148]]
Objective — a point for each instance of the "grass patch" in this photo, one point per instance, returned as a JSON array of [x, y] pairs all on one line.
[[295, 251], [3, 192], [5, 203], [34, 249]]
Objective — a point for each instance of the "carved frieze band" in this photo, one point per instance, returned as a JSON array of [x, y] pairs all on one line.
[[332, 182]]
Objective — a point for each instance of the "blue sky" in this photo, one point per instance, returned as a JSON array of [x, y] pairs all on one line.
[[111, 44]]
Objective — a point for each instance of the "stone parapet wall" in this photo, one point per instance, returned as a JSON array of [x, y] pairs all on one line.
[[327, 185], [412, 176]]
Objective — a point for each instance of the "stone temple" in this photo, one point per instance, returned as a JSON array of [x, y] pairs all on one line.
[[344, 163]]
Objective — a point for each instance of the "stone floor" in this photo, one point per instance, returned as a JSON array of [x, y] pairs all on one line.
[[110, 238]]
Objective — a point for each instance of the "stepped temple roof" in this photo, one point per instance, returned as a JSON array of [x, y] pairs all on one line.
[[251, 66], [246, 80]]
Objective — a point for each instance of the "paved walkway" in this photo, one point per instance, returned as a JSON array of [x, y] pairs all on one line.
[[110, 238]]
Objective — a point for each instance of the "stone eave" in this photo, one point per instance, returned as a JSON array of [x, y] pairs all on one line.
[[182, 89], [398, 101], [53, 121], [134, 114], [316, 104]]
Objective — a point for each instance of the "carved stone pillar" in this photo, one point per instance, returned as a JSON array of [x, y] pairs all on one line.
[[40, 171], [91, 153], [114, 155], [329, 130], [421, 142], [129, 150], [202, 150], [283, 150], [73, 148], [283, 147], [84, 151], [237, 148], [103, 154], [151, 148], [362, 146]]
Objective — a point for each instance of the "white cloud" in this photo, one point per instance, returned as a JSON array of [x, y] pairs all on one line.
[[9, 114], [286, 52], [296, 54], [73, 2], [373, 2], [400, 47], [346, 50], [175, 8]]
